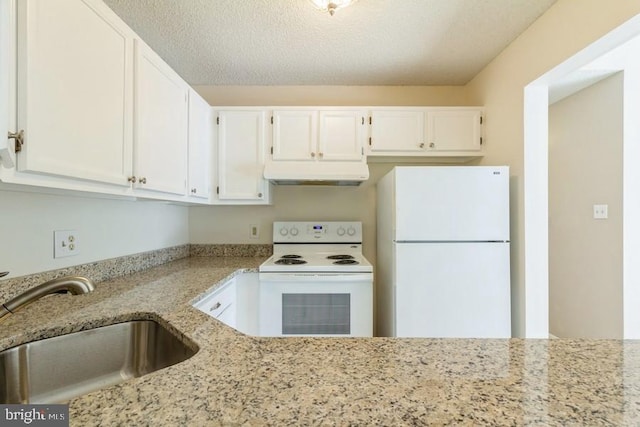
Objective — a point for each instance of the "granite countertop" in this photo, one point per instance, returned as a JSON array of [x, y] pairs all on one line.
[[236, 379]]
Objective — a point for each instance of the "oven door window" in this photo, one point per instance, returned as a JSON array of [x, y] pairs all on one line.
[[316, 314]]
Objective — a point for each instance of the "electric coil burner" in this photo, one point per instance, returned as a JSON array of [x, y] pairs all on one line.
[[317, 283], [290, 261]]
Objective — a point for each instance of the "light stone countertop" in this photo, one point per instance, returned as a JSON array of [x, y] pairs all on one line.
[[241, 380]]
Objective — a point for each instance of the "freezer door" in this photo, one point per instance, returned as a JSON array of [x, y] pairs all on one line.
[[449, 203], [452, 290]]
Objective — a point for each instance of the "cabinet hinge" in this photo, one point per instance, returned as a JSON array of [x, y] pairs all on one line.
[[272, 151], [480, 140], [480, 119], [218, 190], [362, 151], [271, 119], [369, 119], [19, 137], [217, 120], [369, 140]]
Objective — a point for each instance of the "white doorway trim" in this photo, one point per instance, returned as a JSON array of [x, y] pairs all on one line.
[[536, 229]]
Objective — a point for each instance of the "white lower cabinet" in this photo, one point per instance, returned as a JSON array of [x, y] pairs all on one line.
[[241, 148], [235, 303], [221, 304]]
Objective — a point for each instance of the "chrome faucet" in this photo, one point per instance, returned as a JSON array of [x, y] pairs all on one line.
[[74, 285]]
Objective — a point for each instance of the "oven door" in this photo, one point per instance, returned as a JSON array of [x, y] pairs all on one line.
[[316, 304]]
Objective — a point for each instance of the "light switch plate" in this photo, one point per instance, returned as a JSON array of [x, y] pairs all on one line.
[[65, 243], [254, 231], [600, 211]]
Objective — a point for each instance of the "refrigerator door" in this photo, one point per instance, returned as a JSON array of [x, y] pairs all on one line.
[[452, 290], [447, 203]]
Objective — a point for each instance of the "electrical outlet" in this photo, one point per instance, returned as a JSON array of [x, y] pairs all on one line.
[[254, 231], [600, 211], [65, 243]]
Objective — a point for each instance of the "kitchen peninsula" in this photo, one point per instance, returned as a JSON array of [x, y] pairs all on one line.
[[236, 379]]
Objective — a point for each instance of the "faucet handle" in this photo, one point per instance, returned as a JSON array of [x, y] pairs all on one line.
[[3, 273]]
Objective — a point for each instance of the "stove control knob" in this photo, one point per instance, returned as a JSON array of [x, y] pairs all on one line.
[[293, 231], [351, 231], [284, 231], [341, 231]]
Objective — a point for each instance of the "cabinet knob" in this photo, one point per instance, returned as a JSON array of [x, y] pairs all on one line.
[[260, 195], [320, 154], [194, 190], [422, 145], [432, 145], [131, 179], [313, 154], [142, 180]]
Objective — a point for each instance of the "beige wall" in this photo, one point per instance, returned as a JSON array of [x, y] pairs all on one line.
[[106, 229], [566, 28], [585, 254], [333, 95]]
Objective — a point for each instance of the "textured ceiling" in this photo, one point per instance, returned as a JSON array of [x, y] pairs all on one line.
[[289, 42]]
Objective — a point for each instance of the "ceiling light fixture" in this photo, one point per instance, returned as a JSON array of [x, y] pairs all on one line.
[[331, 5]]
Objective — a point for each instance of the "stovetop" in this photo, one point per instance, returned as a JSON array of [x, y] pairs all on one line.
[[330, 246], [326, 261]]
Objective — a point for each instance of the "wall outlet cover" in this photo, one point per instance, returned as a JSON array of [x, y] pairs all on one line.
[[600, 211], [65, 243]]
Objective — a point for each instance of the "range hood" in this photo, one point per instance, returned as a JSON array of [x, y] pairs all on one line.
[[316, 173]]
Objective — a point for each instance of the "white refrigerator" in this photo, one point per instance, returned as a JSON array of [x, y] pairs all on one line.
[[443, 252]]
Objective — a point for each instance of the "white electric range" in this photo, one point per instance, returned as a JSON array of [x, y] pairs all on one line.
[[317, 283]]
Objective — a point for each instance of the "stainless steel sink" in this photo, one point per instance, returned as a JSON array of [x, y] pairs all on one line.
[[54, 370]]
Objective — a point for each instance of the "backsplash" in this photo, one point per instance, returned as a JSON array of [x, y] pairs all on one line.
[[226, 250], [99, 271]]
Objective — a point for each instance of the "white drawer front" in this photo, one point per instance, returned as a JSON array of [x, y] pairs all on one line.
[[219, 301]]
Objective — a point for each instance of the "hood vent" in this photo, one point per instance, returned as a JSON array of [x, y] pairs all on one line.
[[316, 173]]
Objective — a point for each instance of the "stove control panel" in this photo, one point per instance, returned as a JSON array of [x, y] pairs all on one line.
[[325, 232]]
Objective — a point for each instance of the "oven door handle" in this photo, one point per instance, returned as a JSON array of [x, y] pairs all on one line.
[[309, 277]]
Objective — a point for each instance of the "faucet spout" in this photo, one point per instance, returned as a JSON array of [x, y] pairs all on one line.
[[74, 285]]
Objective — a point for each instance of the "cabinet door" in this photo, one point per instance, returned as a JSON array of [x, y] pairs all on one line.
[[397, 131], [295, 135], [200, 139], [455, 130], [241, 147], [74, 90], [7, 65], [341, 135], [160, 150]]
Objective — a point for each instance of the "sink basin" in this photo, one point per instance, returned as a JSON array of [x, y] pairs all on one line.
[[54, 370]]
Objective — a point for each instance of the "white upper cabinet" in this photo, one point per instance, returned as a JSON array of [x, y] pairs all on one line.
[[295, 135], [241, 146], [161, 127], [7, 62], [437, 132], [200, 141], [74, 90], [454, 130], [394, 131], [342, 134], [318, 135]]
